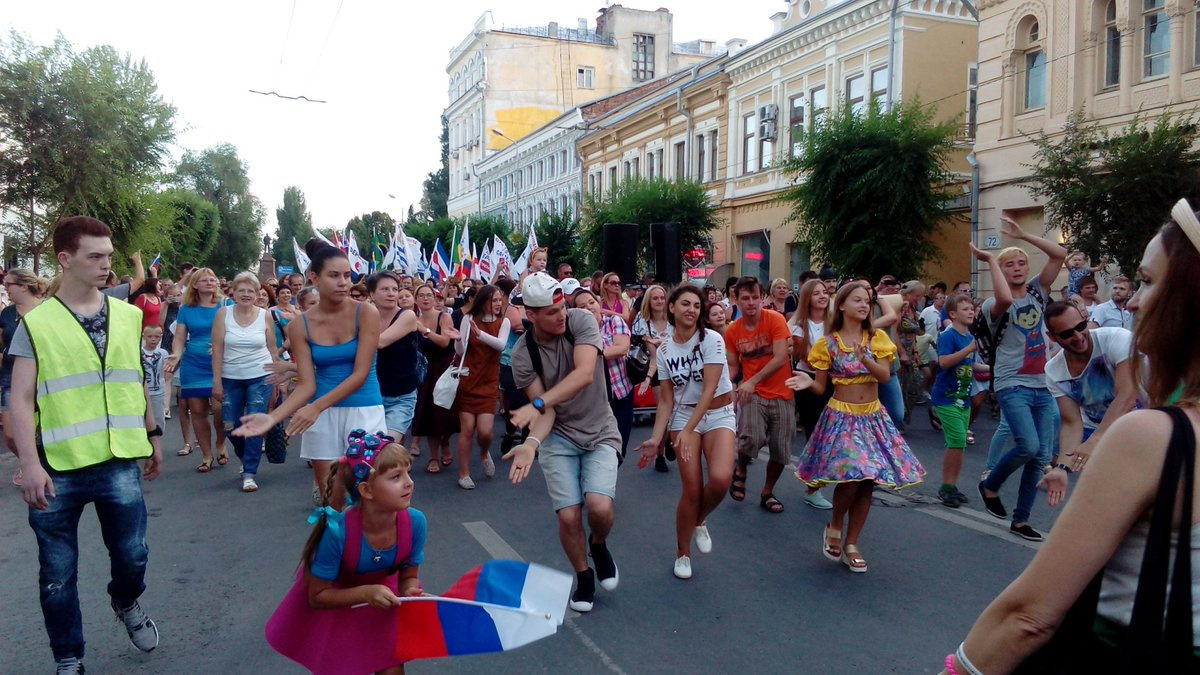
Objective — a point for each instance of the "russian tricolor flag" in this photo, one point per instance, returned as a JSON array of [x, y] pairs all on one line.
[[498, 606]]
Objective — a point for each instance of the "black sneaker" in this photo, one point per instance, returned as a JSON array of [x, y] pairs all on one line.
[[142, 631], [606, 568], [660, 464], [962, 499], [1025, 532], [585, 591], [993, 505], [948, 498], [68, 666], [669, 451]]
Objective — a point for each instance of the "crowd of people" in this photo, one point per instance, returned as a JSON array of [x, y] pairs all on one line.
[[365, 370]]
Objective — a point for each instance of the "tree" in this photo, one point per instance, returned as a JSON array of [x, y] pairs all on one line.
[[437, 184], [192, 223], [644, 202], [870, 184], [1109, 191], [559, 232], [295, 222], [83, 133], [220, 176]]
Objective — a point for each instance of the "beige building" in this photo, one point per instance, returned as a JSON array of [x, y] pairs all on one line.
[[507, 82], [1040, 60]]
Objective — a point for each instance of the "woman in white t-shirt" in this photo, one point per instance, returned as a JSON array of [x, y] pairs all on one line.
[[808, 328], [695, 402]]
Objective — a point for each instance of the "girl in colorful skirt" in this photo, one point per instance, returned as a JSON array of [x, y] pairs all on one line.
[[854, 445], [340, 615]]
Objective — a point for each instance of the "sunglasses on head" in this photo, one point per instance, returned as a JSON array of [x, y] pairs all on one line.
[[1070, 332]]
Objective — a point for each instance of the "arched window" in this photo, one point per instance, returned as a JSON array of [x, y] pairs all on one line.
[[1033, 63], [1112, 46]]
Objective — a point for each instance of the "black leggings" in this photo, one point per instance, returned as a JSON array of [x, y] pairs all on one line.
[[809, 407]]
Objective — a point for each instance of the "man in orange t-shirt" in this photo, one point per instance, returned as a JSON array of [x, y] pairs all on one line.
[[757, 346]]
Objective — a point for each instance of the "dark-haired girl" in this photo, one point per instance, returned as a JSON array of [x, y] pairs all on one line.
[[396, 365], [436, 342], [695, 403], [484, 330]]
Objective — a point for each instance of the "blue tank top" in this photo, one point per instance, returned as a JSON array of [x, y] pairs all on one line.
[[335, 363]]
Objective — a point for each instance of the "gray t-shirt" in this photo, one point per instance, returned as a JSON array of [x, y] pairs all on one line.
[[1021, 356], [120, 291], [586, 420], [94, 325]]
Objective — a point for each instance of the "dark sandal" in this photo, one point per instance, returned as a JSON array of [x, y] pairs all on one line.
[[737, 487], [205, 466], [223, 458], [771, 504]]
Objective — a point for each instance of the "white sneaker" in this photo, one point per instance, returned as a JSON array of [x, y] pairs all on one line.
[[466, 483], [489, 466], [248, 484], [817, 501], [683, 567], [142, 631], [703, 540]]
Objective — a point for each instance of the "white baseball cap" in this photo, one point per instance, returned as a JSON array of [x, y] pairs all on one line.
[[541, 290], [569, 286]]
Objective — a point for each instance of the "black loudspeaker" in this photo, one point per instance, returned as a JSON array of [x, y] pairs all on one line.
[[620, 250], [668, 254]]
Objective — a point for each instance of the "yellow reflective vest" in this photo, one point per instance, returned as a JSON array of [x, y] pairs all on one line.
[[89, 410]]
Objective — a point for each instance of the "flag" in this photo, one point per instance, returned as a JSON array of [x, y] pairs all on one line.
[[466, 254], [358, 265], [338, 242], [378, 249], [521, 263], [156, 263], [318, 235], [502, 261], [533, 238], [302, 260], [439, 262], [455, 258], [484, 263], [396, 257], [496, 607], [423, 268], [415, 252]]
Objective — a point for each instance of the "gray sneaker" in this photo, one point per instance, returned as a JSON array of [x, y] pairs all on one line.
[[142, 631], [69, 666]]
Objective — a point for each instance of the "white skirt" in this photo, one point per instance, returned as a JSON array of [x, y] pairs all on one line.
[[326, 440]]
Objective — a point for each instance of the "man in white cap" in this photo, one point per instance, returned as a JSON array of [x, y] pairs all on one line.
[[572, 429]]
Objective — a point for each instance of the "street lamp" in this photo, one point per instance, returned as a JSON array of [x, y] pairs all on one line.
[[501, 134]]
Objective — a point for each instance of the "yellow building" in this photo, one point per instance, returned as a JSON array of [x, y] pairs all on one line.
[[1040, 60], [507, 82]]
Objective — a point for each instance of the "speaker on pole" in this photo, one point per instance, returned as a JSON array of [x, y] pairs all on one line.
[[668, 254], [620, 250]]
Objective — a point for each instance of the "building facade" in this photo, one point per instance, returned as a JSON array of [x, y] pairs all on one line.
[[506, 83], [1039, 61]]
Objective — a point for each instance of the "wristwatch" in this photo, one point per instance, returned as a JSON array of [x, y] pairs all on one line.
[[156, 431], [539, 405], [1064, 467]]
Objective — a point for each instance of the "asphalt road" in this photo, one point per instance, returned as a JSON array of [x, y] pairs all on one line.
[[764, 601]]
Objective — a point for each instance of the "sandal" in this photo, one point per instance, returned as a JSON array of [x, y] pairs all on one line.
[[447, 461], [771, 504], [853, 559], [223, 459], [185, 450], [205, 466], [832, 551], [970, 438], [737, 487], [433, 466]]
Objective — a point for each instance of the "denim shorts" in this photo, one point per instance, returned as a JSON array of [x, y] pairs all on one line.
[[572, 471], [399, 412], [720, 418]]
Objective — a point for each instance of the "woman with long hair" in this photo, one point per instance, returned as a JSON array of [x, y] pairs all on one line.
[[611, 301], [243, 346], [437, 334], [854, 446], [695, 405], [25, 292], [1118, 503], [780, 298], [398, 352], [808, 328], [333, 349], [653, 328], [484, 333], [614, 337], [191, 356], [150, 302], [715, 317]]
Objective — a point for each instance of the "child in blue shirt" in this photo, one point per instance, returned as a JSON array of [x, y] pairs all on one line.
[[951, 394]]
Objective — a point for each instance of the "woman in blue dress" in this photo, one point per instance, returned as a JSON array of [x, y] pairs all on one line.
[[191, 357]]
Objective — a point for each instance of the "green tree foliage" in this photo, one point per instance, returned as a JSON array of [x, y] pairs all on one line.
[[482, 230], [559, 232], [869, 185], [220, 176], [644, 202], [83, 133], [191, 223], [1110, 190], [295, 222], [437, 184]]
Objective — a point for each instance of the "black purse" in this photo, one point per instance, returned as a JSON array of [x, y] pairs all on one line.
[[637, 365], [1146, 646], [275, 445]]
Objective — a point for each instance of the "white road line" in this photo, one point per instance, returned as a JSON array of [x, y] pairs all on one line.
[[959, 519], [499, 549]]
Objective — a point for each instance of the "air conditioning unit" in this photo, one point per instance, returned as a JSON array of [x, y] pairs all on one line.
[[768, 112], [767, 130]]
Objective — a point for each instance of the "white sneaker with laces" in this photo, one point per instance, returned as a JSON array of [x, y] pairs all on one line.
[[142, 631], [466, 483], [703, 540], [69, 666], [683, 567]]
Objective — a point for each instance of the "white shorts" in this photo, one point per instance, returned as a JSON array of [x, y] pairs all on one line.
[[326, 440], [720, 418]]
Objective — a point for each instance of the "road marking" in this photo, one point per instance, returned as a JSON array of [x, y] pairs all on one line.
[[494, 544], [958, 518]]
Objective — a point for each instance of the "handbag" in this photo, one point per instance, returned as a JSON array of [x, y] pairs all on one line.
[[637, 365], [445, 390], [275, 445], [1146, 646]]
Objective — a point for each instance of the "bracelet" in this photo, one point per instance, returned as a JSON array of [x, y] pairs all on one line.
[[534, 438], [950, 665], [156, 431], [963, 661], [1064, 467]]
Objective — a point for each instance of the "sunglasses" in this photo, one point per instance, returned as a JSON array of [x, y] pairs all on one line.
[[614, 283], [1070, 332]]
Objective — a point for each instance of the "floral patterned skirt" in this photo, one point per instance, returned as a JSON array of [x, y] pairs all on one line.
[[857, 442]]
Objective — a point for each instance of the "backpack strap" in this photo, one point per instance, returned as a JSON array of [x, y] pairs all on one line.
[[535, 356]]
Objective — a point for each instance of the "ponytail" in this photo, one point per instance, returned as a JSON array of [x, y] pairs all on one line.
[[320, 252]]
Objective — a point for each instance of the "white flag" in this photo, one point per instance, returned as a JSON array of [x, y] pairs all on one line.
[[358, 264], [502, 262], [302, 260]]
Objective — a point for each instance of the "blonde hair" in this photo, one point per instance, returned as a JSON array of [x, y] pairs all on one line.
[[1010, 253], [29, 281], [246, 278], [192, 297], [779, 282], [646, 316]]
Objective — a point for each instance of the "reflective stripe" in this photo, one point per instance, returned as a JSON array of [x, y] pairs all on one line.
[[71, 431], [87, 379]]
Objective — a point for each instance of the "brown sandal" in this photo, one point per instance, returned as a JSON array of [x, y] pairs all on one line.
[[433, 466], [205, 466]]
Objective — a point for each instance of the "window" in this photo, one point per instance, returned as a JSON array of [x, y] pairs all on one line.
[[593, 188], [637, 167], [650, 165], [818, 103], [658, 159], [563, 161], [562, 205], [972, 98], [796, 124], [612, 177], [585, 77], [1112, 46], [541, 171], [681, 161], [1196, 39], [1156, 38], [643, 57], [749, 149], [712, 155], [1035, 69], [856, 93], [879, 86], [550, 167], [756, 256], [627, 173], [700, 163]]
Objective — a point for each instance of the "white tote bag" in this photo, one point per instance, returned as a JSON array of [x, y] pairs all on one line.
[[445, 390]]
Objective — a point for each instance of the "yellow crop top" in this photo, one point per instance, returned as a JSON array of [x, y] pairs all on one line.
[[846, 368]]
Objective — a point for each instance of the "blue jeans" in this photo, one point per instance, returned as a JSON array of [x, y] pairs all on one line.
[[398, 411], [115, 487], [1029, 413], [245, 397], [892, 399]]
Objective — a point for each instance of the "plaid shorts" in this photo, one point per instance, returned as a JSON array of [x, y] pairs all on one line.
[[770, 422]]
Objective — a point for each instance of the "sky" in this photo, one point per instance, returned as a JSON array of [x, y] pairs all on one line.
[[379, 64]]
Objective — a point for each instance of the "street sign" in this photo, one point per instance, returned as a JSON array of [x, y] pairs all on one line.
[[993, 241], [286, 269]]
